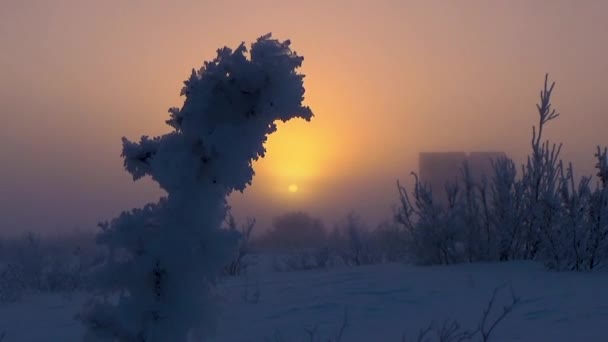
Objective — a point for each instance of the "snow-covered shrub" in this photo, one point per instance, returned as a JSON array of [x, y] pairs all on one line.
[[241, 262], [504, 218], [359, 250], [294, 231], [389, 242], [539, 214], [564, 224], [507, 211], [478, 240], [298, 241], [31, 258], [540, 178], [163, 258], [12, 283], [301, 260], [578, 240], [66, 273], [301, 243], [434, 232], [55, 264], [353, 243]]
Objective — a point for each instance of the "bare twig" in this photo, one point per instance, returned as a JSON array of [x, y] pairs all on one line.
[[486, 326], [451, 330], [345, 324], [312, 333], [422, 334]]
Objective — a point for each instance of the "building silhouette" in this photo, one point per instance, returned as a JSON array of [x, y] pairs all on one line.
[[436, 169]]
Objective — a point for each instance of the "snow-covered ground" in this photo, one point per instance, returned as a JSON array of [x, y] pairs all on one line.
[[381, 303]]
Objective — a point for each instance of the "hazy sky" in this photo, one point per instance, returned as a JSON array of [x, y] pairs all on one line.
[[385, 79]]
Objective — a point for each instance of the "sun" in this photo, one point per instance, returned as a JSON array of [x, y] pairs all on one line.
[[292, 188]]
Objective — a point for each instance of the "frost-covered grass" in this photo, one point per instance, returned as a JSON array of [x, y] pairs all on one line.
[[381, 302]]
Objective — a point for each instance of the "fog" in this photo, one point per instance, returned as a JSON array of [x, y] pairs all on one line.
[[386, 81]]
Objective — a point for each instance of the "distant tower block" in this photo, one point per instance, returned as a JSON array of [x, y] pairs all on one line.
[[480, 164], [439, 168]]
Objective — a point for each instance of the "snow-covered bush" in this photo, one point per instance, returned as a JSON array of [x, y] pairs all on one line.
[[66, 274], [57, 264], [578, 237], [354, 243], [303, 260], [242, 261], [350, 243], [539, 214], [434, 233], [163, 258], [561, 223], [389, 242], [31, 258], [451, 232], [300, 242], [294, 231], [12, 283], [506, 216]]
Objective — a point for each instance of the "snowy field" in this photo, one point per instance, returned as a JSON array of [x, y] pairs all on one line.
[[381, 303]]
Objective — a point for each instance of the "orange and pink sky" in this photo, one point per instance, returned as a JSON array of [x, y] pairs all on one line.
[[386, 80]]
